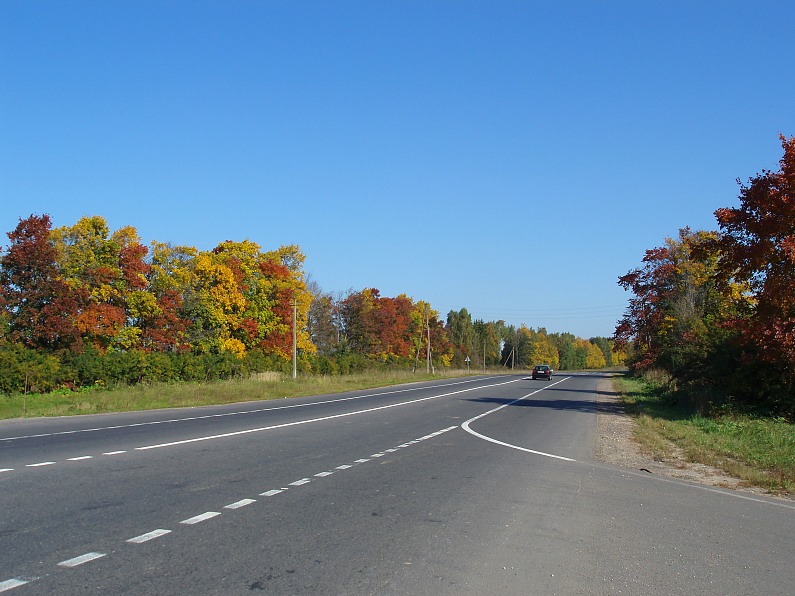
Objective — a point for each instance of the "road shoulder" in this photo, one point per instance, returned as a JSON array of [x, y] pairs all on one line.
[[614, 444]]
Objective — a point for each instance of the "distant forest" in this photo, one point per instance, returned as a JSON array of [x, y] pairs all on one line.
[[83, 306]]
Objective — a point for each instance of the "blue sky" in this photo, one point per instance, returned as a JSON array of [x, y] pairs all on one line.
[[511, 158]]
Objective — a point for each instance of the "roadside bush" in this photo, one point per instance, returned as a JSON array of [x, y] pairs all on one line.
[[27, 371]]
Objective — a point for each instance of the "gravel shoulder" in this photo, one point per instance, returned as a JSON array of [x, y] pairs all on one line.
[[614, 444]]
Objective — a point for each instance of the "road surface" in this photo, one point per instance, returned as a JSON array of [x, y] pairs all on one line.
[[481, 485]]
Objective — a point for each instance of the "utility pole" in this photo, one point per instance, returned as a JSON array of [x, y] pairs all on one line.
[[295, 347], [428, 328]]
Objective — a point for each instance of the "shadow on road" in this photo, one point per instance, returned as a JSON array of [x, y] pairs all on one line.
[[589, 406]]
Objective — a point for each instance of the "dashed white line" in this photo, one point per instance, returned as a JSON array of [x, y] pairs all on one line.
[[91, 556], [12, 583], [148, 536], [44, 463], [200, 518], [81, 560], [240, 503]]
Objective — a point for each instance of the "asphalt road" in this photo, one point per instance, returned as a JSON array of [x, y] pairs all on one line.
[[472, 486]]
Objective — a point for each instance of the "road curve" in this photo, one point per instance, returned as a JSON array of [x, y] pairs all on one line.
[[467, 486]]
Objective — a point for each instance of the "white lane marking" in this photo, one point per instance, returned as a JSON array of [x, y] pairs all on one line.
[[44, 463], [240, 503], [148, 536], [271, 493], [226, 414], [12, 583], [16, 582], [114, 453], [467, 428], [321, 419], [82, 559], [81, 458], [6, 469], [200, 518], [361, 461]]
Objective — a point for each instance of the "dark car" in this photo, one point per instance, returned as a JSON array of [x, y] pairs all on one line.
[[542, 371]]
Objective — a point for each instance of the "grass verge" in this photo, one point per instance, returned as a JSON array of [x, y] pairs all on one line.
[[759, 451], [264, 386]]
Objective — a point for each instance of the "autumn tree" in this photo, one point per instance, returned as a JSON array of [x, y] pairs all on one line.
[[161, 317], [757, 248], [242, 298], [110, 272], [675, 310], [377, 326], [39, 307]]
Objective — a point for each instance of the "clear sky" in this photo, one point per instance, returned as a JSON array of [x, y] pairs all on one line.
[[512, 158]]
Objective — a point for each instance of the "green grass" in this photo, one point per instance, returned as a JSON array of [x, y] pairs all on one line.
[[265, 386], [759, 451]]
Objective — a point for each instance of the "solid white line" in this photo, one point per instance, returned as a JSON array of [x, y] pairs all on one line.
[[44, 463], [324, 418], [225, 414], [467, 428], [9, 584], [82, 559], [148, 536], [81, 458], [200, 518], [241, 503], [271, 493]]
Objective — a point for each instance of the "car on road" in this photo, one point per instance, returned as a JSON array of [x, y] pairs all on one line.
[[542, 371]]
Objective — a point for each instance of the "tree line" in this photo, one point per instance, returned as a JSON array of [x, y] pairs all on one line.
[[716, 309], [82, 306]]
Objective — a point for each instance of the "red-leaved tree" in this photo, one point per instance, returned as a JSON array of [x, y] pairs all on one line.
[[40, 308], [757, 247]]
